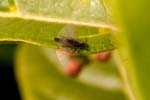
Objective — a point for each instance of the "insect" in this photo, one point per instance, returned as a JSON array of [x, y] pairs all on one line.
[[73, 44]]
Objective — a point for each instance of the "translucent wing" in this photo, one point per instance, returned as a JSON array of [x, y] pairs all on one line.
[[63, 53], [63, 57], [68, 31]]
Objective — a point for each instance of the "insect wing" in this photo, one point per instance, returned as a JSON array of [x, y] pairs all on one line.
[[66, 36], [67, 31], [63, 57], [63, 53]]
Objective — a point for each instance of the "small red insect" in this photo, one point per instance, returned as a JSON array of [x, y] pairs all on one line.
[[73, 68], [75, 65], [104, 56]]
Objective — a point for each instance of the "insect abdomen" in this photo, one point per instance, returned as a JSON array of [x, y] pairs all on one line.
[[56, 39]]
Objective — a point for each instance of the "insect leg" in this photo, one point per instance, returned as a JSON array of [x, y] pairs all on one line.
[[79, 50], [75, 50]]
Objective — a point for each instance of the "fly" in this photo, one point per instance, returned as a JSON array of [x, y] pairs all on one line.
[[72, 44]]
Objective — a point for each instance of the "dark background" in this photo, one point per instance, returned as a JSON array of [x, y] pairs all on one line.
[[8, 86]]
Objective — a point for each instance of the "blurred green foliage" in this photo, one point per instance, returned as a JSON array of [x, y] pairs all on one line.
[[7, 51]]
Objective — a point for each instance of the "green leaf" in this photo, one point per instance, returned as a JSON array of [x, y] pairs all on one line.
[[6, 5], [40, 79], [43, 33], [132, 17], [90, 11], [38, 22]]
